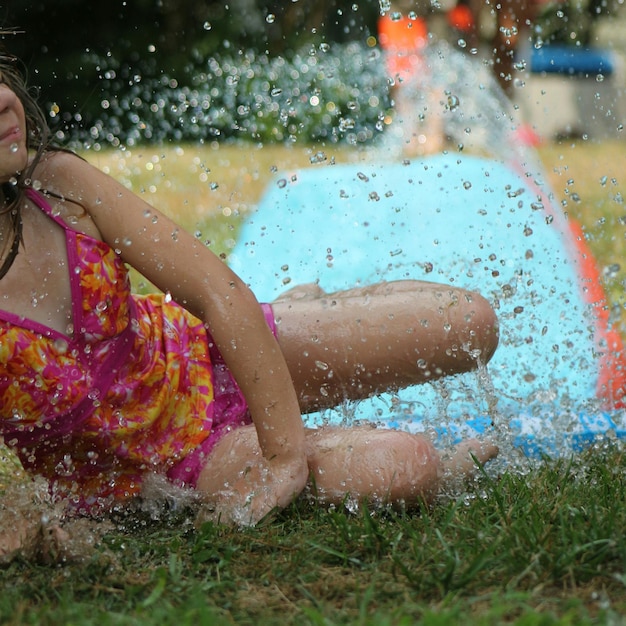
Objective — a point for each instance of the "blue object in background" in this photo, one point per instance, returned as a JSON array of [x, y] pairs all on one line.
[[573, 61]]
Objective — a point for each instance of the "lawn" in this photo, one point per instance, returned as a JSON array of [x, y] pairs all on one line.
[[540, 546]]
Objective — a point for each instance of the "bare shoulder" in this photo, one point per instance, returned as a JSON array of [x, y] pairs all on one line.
[[69, 175], [54, 164], [67, 178], [64, 173]]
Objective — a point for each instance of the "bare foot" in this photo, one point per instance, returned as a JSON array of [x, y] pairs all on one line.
[[464, 461]]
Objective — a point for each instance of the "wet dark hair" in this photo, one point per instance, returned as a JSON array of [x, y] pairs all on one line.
[[38, 140]]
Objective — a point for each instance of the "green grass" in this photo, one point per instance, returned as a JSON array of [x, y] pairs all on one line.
[[543, 546]]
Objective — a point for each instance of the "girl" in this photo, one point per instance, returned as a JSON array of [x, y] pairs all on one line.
[[100, 388]]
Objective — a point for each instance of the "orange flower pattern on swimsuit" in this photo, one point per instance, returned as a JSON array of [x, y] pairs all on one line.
[[78, 410]]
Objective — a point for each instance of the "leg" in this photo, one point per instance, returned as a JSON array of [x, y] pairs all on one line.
[[385, 466], [354, 344], [513, 19], [419, 113]]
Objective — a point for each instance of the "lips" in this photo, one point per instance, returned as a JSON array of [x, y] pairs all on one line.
[[11, 134]]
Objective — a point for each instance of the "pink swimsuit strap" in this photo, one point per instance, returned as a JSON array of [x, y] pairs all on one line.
[[57, 426]]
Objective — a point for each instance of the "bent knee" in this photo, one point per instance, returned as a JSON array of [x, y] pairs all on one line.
[[479, 326], [487, 326]]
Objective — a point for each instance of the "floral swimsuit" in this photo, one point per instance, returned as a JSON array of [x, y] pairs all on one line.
[[135, 386]]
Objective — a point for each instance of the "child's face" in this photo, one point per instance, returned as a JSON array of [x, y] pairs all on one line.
[[13, 140]]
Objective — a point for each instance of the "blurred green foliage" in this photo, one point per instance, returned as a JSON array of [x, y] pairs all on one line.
[[63, 42], [333, 93]]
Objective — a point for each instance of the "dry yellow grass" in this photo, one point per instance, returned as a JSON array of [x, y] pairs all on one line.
[[194, 183], [589, 180]]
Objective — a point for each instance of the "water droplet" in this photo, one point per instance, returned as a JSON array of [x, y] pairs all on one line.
[[318, 157], [14, 147], [271, 18], [453, 102], [346, 123], [61, 345]]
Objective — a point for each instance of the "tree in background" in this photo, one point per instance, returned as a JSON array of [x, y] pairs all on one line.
[[63, 42]]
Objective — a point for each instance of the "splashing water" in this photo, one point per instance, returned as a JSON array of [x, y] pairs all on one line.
[[477, 214], [457, 92], [33, 525], [475, 118]]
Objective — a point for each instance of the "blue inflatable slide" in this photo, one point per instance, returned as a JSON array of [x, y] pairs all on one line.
[[556, 381]]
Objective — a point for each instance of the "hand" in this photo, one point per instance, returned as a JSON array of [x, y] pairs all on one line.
[[260, 488], [307, 291], [20, 538]]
